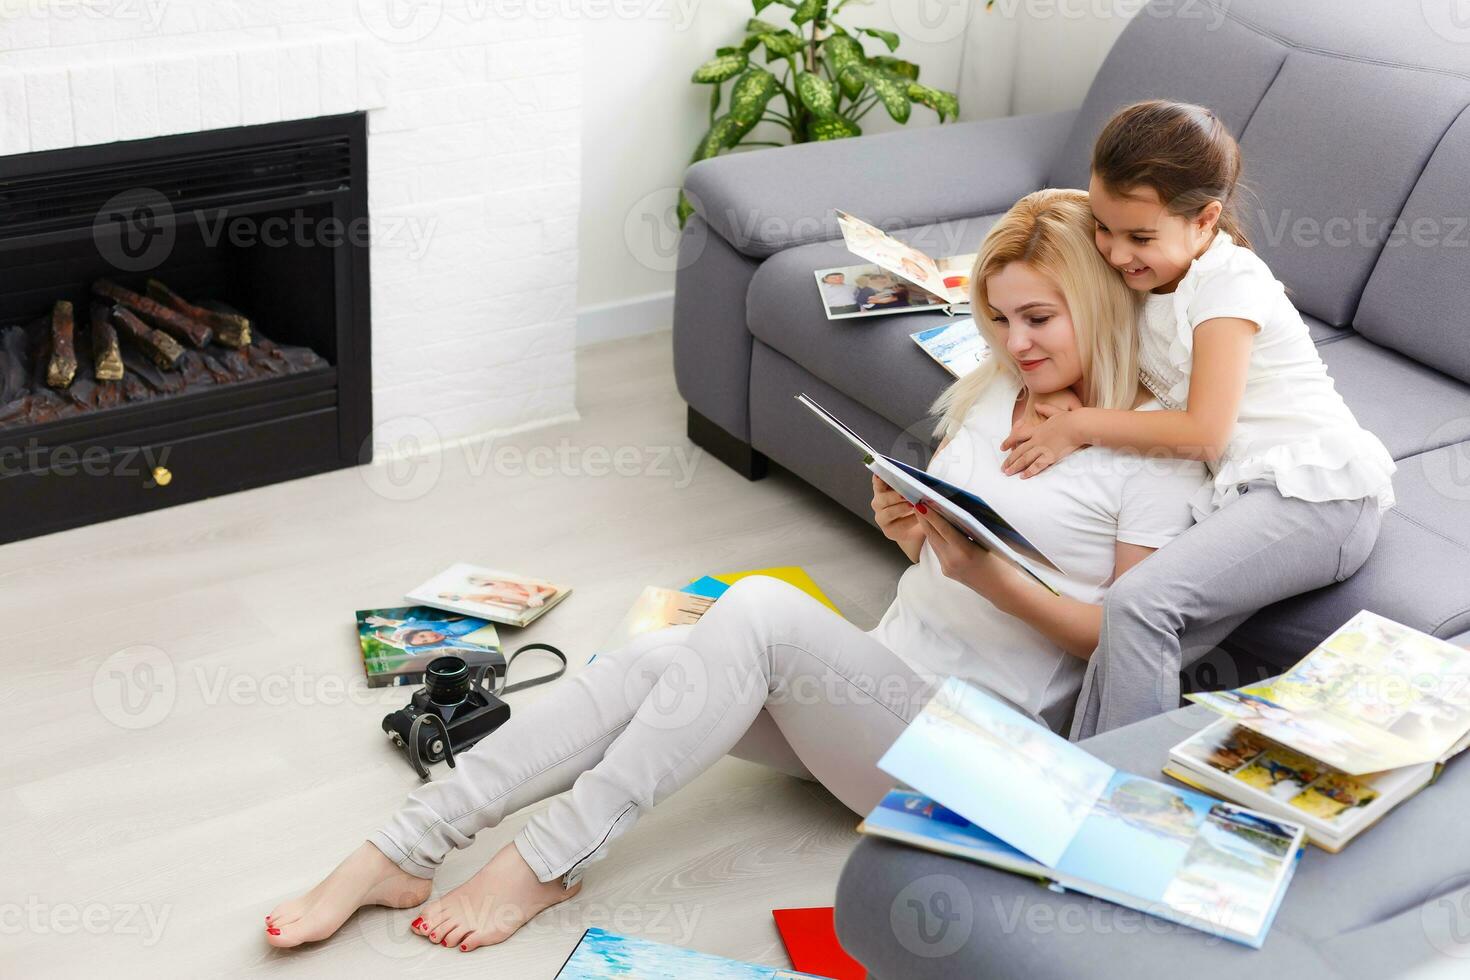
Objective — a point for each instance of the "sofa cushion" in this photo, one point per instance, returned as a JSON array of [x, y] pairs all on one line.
[[872, 360], [1322, 193], [1191, 52], [1418, 298], [1418, 574], [776, 199], [1410, 407]]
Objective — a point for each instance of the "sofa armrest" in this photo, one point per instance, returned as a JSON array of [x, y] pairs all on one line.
[[766, 201]]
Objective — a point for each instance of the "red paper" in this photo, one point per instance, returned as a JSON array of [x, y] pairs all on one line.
[[811, 942]]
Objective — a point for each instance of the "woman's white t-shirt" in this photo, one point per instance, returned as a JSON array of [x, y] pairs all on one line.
[[1075, 512], [1293, 428]]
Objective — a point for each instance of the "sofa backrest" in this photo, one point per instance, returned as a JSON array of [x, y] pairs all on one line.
[[1353, 120]]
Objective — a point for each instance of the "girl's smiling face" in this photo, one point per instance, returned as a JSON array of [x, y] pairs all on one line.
[[1032, 320], [1151, 247]]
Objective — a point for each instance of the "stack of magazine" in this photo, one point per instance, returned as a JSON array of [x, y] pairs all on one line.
[[454, 613], [1365, 721], [990, 785]]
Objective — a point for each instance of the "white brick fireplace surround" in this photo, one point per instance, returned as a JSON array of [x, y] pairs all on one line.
[[474, 128]]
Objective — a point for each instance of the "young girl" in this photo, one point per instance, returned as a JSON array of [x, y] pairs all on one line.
[[769, 673], [1299, 487]]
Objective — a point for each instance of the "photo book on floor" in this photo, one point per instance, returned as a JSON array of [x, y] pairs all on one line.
[[488, 593], [1362, 723], [603, 955], [985, 783], [398, 642]]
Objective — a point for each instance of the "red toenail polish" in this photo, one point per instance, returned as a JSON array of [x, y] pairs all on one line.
[[433, 935], [274, 931], [464, 949], [444, 943], [417, 922]]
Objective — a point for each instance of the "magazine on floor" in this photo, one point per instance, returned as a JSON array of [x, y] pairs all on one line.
[[899, 279], [985, 783], [971, 514], [603, 955], [654, 609], [502, 597], [398, 642], [714, 586], [957, 346], [1375, 695]]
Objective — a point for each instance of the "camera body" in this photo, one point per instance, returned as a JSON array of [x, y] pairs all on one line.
[[449, 714]]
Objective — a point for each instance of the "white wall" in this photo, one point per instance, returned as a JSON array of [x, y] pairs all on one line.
[[641, 118], [1024, 56], [473, 148]]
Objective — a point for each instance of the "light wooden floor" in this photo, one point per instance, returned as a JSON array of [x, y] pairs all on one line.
[[157, 850]]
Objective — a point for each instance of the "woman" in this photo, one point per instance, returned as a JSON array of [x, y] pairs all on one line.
[[772, 675]]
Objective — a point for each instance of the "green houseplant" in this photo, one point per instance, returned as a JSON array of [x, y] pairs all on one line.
[[824, 80]]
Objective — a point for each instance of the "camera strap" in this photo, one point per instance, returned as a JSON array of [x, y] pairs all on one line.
[[502, 688]]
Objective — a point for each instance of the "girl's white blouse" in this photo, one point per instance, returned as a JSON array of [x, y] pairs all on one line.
[[1293, 428]]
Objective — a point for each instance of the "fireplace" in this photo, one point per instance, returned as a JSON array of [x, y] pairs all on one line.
[[181, 317]]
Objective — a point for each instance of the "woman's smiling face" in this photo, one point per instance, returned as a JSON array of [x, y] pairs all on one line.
[[1031, 318]]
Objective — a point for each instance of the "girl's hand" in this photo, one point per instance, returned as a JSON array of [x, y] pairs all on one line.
[[1049, 443], [1039, 408], [895, 516], [962, 559]]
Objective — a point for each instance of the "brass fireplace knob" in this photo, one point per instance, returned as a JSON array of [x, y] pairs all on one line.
[[162, 476]]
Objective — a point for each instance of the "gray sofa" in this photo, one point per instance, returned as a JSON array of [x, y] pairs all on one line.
[[1357, 141], [1354, 122]]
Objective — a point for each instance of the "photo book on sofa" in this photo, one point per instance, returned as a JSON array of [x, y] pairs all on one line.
[[988, 784], [1375, 692], [957, 346], [900, 278], [975, 518]]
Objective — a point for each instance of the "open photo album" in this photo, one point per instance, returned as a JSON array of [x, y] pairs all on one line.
[[1375, 695], [898, 279], [1361, 724], [975, 518], [985, 783]]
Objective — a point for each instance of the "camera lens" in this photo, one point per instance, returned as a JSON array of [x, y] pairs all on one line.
[[447, 680]]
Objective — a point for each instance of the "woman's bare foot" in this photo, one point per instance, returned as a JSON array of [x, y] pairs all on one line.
[[488, 909], [367, 877]]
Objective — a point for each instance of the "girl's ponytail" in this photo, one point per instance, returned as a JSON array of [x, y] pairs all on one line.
[[1182, 152]]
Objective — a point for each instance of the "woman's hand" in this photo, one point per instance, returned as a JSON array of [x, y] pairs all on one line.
[[896, 518], [1049, 443], [962, 559]]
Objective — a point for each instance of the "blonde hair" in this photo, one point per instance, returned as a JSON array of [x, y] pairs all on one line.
[[1052, 231]]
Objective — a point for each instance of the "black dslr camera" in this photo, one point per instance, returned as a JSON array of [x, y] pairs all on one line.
[[453, 711]]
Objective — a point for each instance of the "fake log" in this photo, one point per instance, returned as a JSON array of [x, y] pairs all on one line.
[[62, 366], [155, 313], [163, 349], [229, 329], [107, 364]]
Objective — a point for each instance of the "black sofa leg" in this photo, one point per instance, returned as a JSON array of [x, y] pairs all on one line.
[[734, 453]]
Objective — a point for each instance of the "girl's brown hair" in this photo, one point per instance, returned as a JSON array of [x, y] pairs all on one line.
[[1182, 152]]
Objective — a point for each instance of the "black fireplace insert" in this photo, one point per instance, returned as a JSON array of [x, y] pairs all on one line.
[[181, 317]]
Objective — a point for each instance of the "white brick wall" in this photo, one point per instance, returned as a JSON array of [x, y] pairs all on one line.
[[473, 154]]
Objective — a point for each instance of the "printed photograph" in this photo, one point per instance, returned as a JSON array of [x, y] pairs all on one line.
[[1333, 795]]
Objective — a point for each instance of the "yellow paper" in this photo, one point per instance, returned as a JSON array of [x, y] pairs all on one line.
[[791, 574]]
